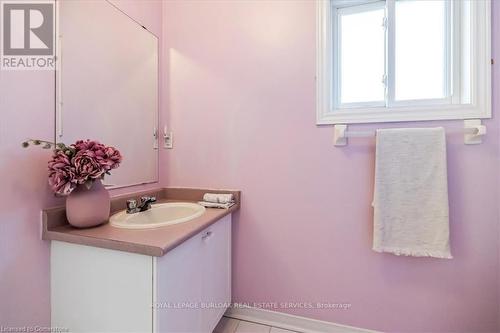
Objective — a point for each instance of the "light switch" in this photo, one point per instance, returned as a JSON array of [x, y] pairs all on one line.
[[168, 140]]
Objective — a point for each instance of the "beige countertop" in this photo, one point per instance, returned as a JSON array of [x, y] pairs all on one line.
[[152, 242]]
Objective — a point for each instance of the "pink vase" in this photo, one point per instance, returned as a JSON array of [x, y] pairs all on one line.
[[87, 208]]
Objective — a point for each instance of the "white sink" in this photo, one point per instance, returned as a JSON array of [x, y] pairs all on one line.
[[159, 215]]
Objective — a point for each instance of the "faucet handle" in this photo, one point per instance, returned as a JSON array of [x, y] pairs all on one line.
[[131, 205], [148, 199]]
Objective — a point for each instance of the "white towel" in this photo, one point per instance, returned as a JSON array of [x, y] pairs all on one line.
[[207, 204], [411, 193], [218, 197]]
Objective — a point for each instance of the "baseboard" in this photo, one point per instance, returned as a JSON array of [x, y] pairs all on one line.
[[290, 322]]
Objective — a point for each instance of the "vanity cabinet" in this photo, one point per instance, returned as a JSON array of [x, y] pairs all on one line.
[[102, 290]]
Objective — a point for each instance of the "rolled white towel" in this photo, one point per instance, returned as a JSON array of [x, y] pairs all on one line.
[[216, 205], [218, 197]]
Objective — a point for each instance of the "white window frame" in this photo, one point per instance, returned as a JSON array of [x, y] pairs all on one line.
[[448, 108], [336, 40]]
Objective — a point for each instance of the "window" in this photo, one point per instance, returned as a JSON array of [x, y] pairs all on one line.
[[403, 60]]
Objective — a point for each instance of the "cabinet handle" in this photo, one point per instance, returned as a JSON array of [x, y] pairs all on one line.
[[206, 235]]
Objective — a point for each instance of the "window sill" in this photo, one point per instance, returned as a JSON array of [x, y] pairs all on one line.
[[403, 114]]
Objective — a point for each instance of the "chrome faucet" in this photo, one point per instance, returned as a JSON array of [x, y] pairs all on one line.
[[145, 204]]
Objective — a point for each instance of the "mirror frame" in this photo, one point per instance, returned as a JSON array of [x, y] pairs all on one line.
[[58, 112]]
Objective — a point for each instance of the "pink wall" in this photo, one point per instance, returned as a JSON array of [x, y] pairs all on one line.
[[240, 89], [496, 101], [241, 103], [27, 108], [26, 104]]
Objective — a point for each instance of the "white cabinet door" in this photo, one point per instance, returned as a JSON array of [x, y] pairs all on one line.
[[216, 284], [193, 282], [178, 289], [100, 290]]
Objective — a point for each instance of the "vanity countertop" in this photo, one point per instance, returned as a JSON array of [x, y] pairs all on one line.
[[152, 242]]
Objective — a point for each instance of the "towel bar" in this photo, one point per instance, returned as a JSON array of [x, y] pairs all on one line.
[[473, 132]]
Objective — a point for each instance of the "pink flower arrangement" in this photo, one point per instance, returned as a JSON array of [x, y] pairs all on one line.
[[81, 163]]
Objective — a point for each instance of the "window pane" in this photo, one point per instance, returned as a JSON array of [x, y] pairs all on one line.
[[420, 49], [362, 53]]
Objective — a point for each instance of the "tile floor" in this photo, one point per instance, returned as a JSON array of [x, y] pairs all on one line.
[[230, 325]]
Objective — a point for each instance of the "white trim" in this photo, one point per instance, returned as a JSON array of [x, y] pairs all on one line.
[[324, 63], [456, 40], [350, 3], [401, 114], [449, 51], [390, 51], [479, 108], [290, 322]]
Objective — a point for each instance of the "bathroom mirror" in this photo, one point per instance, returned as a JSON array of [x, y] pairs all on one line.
[[107, 86]]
